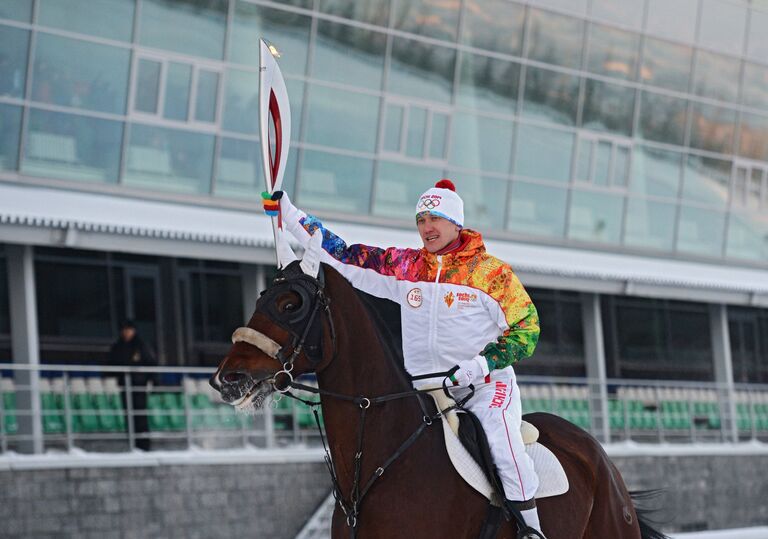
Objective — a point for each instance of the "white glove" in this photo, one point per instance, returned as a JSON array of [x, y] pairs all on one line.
[[469, 371]]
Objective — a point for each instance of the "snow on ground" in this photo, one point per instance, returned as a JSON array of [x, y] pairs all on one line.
[[741, 533], [634, 449]]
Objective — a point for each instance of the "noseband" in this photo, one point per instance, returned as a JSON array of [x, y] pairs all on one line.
[[302, 322]]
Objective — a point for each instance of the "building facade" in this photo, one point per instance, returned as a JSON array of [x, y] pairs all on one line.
[[614, 151]]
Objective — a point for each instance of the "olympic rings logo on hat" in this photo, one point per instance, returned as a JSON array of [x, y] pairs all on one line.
[[429, 203]]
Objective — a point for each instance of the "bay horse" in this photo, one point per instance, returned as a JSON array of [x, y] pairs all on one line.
[[391, 470]]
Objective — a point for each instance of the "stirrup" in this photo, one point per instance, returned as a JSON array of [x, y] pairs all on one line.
[[530, 533]]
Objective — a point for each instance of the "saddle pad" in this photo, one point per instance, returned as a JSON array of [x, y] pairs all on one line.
[[552, 478]]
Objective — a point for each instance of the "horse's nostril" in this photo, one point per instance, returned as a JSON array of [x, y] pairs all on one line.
[[233, 377]]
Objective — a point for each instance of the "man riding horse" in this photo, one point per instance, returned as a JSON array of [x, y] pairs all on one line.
[[460, 307]]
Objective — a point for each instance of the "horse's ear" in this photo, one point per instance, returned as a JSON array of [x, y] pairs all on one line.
[[310, 263], [285, 254]]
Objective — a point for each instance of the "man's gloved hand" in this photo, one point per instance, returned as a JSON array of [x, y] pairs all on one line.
[[469, 371], [271, 202]]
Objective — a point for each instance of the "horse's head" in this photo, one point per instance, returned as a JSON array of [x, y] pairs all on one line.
[[283, 339]]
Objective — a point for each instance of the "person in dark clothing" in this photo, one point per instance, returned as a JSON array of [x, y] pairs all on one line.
[[130, 350]]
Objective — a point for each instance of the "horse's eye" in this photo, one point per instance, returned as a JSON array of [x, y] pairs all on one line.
[[288, 303]]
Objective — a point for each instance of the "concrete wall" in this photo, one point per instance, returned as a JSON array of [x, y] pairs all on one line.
[[184, 501], [273, 500], [703, 492]]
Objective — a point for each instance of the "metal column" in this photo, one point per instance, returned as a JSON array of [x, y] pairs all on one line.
[[721, 351], [594, 351], [25, 344]]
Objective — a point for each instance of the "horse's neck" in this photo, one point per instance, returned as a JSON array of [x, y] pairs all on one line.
[[361, 368]]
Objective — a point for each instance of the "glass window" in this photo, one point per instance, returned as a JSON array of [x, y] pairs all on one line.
[[612, 52], [576, 6], [481, 143], [543, 153], [650, 224], [10, 130], [747, 236], [625, 12], [198, 26], [342, 119], [554, 38], [700, 231], [398, 187], [5, 309], [241, 102], [223, 304], [207, 94], [753, 136], [595, 217], [18, 10], [61, 287], [487, 83], [14, 44], [656, 172], [78, 74], [722, 26], [169, 160], [675, 20], [662, 118], [438, 136], [757, 46], [421, 70], [177, 90], [537, 210], [666, 64], [608, 107], [239, 171], [716, 76], [331, 182], [551, 96], [706, 180], [494, 25], [288, 31], [147, 86], [484, 200], [755, 88], [72, 147], [376, 12], [712, 128], [112, 19], [359, 50], [394, 128], [417, 131], [439, 20]]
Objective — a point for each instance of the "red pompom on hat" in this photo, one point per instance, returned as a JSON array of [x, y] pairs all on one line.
[[445, 183]]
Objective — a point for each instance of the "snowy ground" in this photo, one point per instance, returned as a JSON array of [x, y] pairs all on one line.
[[741, 533]]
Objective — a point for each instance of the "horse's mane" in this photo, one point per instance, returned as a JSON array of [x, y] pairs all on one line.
[[385, 316]]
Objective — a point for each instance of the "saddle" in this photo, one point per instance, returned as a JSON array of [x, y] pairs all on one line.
[[469, 453]]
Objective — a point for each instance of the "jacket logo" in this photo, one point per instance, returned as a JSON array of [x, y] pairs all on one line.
[[448, 299], [466, 299], [414, 297]]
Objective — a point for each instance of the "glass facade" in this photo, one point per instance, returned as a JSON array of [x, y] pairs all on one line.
[[634, 125]]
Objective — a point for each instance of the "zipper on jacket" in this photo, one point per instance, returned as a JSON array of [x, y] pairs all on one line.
[[433, 316]]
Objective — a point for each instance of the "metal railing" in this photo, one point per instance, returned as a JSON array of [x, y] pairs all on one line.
[[101, 408]]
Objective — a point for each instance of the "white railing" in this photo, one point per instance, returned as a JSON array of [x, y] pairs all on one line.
[[101, 408]]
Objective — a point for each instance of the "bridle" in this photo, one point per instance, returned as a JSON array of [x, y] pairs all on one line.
[[313, 289]]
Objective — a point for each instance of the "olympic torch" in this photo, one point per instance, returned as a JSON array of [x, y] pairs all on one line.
[[274, 112]]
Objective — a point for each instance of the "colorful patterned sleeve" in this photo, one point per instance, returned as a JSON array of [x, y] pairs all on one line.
[[520, 338], [391, 261]]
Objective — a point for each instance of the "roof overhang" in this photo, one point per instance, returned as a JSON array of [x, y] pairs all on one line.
[[55, 217]]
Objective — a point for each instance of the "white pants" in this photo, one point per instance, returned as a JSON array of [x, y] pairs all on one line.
[[497, 405]]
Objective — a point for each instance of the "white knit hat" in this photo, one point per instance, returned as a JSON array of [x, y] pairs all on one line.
[[442, 201]]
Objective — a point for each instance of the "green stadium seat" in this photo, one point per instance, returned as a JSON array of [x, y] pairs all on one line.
[[174, 404], [84, 417], [157, 417], [115, 403], [8, 393], [52, 406]]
